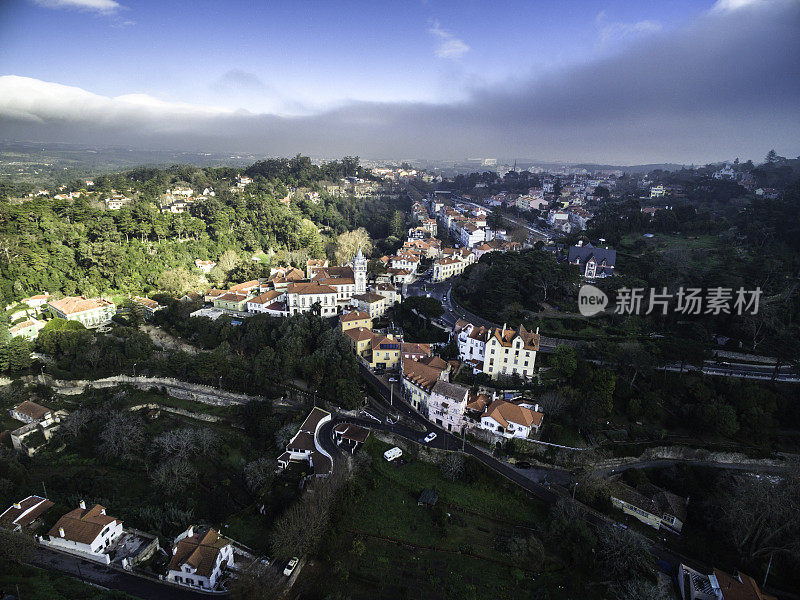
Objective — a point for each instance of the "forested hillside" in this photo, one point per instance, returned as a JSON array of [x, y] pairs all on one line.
[[75, 246]]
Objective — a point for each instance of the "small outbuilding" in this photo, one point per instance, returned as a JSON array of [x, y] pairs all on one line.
[[428, 498]]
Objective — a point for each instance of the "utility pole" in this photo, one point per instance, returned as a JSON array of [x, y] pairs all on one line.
[[45, 489], [391, 395], [573, 490]]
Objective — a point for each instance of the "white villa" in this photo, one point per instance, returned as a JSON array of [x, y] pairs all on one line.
[[198, 558], [87, 532], [510, 420], [499, 351]]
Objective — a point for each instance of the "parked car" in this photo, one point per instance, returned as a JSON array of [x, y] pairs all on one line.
[[430, 437], [290, 566], [392, 379]]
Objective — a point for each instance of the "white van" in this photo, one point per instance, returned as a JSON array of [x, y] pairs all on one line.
[[392, 453]]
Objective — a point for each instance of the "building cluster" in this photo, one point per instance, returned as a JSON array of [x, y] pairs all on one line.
[[334, 290], [39, 424], [180, 199], [563, 202], [464, 223], [456, 408], [199, 556]]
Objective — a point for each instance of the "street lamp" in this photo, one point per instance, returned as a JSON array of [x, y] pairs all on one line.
[[573, 490]]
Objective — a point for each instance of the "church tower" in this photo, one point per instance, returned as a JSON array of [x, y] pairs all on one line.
[[360, 272]]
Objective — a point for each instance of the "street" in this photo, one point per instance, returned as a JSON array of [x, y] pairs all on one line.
[[104, 576]]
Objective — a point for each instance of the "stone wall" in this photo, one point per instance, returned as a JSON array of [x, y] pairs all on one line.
[[172, 387], [179, 411]]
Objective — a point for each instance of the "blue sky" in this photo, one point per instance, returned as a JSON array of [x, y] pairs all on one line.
[[606, 80], [314, 53]]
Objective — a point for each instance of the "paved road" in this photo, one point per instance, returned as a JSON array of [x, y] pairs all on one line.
[[104, 576]]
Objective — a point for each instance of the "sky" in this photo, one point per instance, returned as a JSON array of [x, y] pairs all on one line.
[[614, 81]]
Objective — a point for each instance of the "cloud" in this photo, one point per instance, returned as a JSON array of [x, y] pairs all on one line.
[[725, 85], [238, 79], [100, 6], [449, 46], [619, 31]]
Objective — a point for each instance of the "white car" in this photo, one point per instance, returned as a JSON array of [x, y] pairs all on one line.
[[392, 380], [430, 437], [290, 566]]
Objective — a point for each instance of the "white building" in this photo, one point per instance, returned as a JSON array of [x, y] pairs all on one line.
[[304, 446], [447, 404], [472, 235], [198, 558], [301, 297], [24, 513], [87, 532], [499, 351], [510, 420]]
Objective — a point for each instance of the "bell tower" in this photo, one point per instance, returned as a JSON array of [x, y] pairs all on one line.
[[360, 272]]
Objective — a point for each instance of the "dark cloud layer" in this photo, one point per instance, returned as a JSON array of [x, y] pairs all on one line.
[[726, 85]]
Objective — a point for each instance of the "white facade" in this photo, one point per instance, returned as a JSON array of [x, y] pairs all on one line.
[[447, 404], [202, 559]]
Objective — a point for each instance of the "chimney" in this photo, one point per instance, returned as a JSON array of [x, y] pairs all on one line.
[[82, 504], [61, 531], [17, 505]]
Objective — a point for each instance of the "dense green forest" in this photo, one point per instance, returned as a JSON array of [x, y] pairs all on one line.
[[76, 247], [503, 286]]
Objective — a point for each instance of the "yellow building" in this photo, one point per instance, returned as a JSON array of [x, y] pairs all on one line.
[[360, 339], [385, 352], [232, 301], [355, 319]]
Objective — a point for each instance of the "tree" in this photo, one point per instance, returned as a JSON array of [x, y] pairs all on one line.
[[122, 436], [176, 281], [623, 554], [15, 546], [397, 225], [761, 516], [564, 361], [259, 473], [300, 528], [452, 466], [348, 243], [15, 357], [637, 589]]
